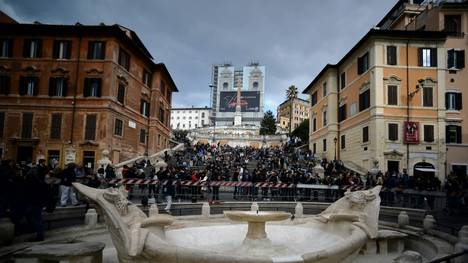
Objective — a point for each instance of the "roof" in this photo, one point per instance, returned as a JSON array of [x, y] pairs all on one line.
[[161, 67], [78, 30], [391, 13], [126, 35], [316, 79], [198, 108], [393, 34], [284, 102]]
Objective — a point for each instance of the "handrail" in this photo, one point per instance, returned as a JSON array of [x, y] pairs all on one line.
[[158, 154]]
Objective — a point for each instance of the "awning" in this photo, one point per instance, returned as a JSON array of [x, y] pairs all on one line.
[[431, 170]]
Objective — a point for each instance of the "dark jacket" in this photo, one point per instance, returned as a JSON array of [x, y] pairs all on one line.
[[67, 176]]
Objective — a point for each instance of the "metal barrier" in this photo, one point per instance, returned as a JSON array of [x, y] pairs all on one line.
[[449, 258], [262, 191]]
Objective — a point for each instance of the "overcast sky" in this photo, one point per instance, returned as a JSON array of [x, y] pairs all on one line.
[[294, 39]]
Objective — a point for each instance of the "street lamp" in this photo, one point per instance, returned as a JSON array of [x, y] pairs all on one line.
[[335, 140]]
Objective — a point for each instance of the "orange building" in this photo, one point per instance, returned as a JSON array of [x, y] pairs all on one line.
[[450, 17], [68, 92], [383, 101]]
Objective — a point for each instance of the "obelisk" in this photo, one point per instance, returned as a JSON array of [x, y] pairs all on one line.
[[238, 114]]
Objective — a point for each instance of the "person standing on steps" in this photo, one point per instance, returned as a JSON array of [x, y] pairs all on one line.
[[169, 191]]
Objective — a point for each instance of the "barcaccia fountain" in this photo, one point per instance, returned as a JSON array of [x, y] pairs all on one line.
[[335, 235]]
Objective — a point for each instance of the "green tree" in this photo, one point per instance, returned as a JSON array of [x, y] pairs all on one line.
[[268, 124], [302, 131], [291, 94]]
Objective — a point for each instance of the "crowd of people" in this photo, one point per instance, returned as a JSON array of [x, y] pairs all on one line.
[[25, 190]]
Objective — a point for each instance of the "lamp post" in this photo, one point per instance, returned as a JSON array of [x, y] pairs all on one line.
[[335, 140]]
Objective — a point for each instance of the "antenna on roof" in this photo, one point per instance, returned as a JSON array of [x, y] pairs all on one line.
[[254, 62]]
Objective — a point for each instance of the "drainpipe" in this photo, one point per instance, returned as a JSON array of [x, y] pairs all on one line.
[[338, 111], [407, 103], [75, 90], [148, 125]]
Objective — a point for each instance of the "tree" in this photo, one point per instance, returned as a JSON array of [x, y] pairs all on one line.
[[291, 94], [268, 124], [302, 131]]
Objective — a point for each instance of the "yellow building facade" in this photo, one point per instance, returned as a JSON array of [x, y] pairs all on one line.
[[384, 102], [300, 112]]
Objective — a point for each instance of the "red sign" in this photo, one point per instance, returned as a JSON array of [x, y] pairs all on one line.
[[411, 132]]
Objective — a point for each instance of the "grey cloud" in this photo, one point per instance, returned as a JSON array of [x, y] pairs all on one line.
[[293, 39]]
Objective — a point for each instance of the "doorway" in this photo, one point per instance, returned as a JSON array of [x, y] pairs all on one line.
[[393, 167], [24, 154], [88, 159]]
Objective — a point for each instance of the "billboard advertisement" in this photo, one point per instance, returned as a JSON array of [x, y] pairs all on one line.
[[250, 101], [411, 132]]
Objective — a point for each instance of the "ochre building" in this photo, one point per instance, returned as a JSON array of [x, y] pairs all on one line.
[[299, 112], [450, 17], [68, 92], [384, 103]]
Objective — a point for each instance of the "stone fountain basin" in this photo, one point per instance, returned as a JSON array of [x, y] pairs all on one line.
[[253, 216], [311, 242]]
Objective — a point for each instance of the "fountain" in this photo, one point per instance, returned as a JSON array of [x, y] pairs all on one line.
[[335, 235]]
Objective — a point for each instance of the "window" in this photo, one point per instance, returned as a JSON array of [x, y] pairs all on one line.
[[144, 107], [6, 48], [342, 113], [92, 87], [161, 115], [29, 86], [225, 85], [363, 63], [62, 49], [428, 133], [32, 48], [124, 59], [314, 98], [392, 95], [2, 123], [90, 127], [452, 25], [365, 134], [324, 118], [453, 133], [427, 97], [453, 101], [159, 138], [55, 125], [324, 87], [324, 145], [4, 85], [58, 86], [427, 57], [26, 125], [455, 59], [364, 100], [343, 80], [314, 148], [142, 135], [314, 124], [255, 84], [391, 55], [121, 93], [352, 109], [146, 78], [203, 115], [118, 127], [343, 142], [393, 132], [96, 49]]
